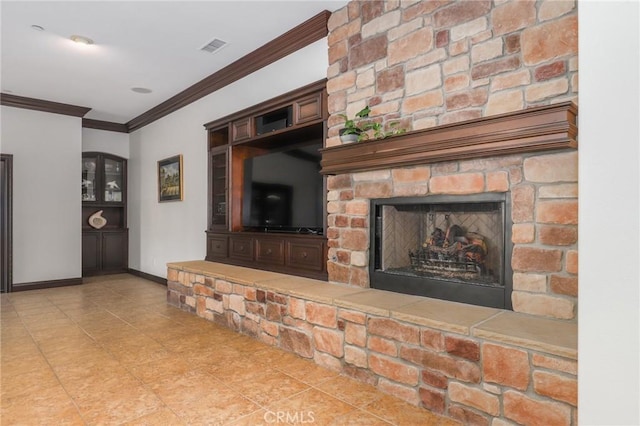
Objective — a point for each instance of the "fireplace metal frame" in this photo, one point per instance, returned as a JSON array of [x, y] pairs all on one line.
[[464, 292]]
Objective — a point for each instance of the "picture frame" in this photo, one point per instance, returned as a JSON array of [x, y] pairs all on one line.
[[170, 179]]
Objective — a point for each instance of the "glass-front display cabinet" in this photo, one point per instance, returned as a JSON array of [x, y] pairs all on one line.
[[104, 214]]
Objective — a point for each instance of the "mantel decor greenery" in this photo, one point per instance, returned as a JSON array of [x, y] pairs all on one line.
[[360, 128]]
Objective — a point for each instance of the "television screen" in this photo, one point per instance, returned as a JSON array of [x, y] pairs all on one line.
[[283, 191]]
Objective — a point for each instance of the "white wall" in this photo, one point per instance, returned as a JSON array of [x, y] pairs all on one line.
[[46, 193], [175, 231], [609, 155], [115, 143]]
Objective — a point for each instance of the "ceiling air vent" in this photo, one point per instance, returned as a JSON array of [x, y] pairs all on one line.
[[213, 46]]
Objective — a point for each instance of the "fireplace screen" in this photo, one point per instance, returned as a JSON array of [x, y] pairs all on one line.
[[448, 247]]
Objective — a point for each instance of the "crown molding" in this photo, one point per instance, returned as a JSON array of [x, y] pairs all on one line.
[[301, 36], [7, 99], [89, 123]]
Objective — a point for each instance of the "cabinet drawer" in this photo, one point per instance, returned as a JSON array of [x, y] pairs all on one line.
[[241, 130], [308, 109], [217, 246], [309, 255], [270, 251], [241, 248]]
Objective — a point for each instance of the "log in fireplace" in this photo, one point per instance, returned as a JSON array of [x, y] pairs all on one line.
[[450, 247]]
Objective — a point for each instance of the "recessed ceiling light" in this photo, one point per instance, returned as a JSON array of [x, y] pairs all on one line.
[[141, 90], [81, 39], [37, 27]]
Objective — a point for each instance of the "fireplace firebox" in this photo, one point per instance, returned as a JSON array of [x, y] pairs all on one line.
[[451, 247]]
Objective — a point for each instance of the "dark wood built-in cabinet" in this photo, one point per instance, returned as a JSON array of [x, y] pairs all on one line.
[[104, 188], [294, 119]]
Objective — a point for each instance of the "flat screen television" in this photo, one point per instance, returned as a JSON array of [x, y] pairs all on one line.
[[283, 191]]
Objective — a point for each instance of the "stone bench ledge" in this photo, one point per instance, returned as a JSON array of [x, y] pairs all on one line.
[[541, 334]]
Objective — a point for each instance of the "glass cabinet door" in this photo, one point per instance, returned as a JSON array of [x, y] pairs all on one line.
[[219, 190], [89, 184], [113, 180]]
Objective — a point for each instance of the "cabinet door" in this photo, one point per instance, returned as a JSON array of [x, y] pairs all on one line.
[[89, 178], [219, 191], [114, 251], [241, 130], [308, 109], [114, 180], [91, 253]]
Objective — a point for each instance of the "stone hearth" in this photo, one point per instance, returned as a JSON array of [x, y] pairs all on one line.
[[470, 363]]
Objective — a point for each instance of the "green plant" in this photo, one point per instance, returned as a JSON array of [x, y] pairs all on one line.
[[366, 129], [351, 126]]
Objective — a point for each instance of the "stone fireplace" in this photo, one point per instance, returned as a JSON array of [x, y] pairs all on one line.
[[517, 169], [448, 247], [487, 91]]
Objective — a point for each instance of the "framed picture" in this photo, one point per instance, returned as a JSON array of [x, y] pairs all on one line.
[[170, 179]]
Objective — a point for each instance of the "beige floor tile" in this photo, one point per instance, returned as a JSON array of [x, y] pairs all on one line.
[[217, 409], [268, 387], [118, 405], [164, 416], [139, 354], [359, 418], [22, 365], [160, 369], [178, 392], [69, 337], [306, 371], [402, 413], [15, 349], [171, 332], [46, 406], [225, 366], [350, 391], [87, 368], [80, 355], [23, 384]]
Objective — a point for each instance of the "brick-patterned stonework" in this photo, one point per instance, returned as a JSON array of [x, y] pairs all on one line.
[[433, 63], [470, 365]]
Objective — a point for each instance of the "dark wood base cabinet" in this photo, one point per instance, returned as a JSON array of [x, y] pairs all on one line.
[[294, 254], [104, 252]]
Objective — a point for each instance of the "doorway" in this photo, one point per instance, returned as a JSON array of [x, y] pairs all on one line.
[[6, 212]]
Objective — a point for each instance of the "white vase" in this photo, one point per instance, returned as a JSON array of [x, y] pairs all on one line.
[[96, 220]]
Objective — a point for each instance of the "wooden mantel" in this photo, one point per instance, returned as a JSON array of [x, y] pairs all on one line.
[[542, 128]]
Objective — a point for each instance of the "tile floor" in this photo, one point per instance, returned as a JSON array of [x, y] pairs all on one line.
[[112, 352]]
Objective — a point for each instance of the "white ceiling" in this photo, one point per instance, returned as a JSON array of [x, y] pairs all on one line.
[[150, 44]]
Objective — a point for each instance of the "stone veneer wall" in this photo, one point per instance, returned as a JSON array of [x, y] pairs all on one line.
[[465, 370], [429, 63]]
